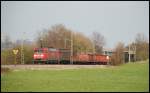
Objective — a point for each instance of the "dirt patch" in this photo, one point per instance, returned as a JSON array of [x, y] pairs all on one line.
[[5, 70]]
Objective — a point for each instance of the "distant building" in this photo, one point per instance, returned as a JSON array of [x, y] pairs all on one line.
[[108, 51], [132, 55]]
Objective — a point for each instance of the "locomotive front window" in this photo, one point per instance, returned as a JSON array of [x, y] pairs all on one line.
[[39, 51]]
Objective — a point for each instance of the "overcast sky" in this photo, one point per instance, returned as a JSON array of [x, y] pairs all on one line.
[[117, 21]]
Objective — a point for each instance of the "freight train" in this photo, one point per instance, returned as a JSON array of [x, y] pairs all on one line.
[[63, 56]]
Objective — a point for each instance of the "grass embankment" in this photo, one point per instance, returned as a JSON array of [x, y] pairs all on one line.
[[127, 77]]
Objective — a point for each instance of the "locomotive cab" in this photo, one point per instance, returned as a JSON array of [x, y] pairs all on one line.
[[46, 55], [40, 55]]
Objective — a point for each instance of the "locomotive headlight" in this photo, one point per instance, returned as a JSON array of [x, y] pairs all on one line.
[[42, 55], [35, 55]]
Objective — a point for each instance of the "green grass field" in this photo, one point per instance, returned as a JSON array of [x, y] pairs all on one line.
[[127, 77]]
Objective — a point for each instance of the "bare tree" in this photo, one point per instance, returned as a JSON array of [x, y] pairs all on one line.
[[142, 47], [58, 36], [118, 55], [7, 42], [82, 43], [6, 45], [98, 41]]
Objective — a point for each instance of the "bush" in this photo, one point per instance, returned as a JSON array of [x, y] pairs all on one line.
[[118, 55]]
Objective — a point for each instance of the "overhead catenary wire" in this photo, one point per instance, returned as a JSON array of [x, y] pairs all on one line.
[[22, 49]]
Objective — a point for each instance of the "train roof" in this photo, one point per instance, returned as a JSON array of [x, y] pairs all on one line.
[[49, 48]]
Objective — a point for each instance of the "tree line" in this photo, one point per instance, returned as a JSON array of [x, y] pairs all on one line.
[[58, 36]]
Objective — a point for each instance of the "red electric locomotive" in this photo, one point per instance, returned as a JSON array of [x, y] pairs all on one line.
[[51, 55]]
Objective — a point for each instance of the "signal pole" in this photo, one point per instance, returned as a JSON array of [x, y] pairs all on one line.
[[41, 39], [71, 57], [129, 52], [134, 52], [22, 50], [41, 42], [93, 51], [65, 43]]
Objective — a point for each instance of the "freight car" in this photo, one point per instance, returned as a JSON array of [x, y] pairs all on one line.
[[62, 56], [101, 59], [91, 59], [83, 58]]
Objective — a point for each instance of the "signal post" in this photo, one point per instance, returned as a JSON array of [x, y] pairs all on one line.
[[15, 51]]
